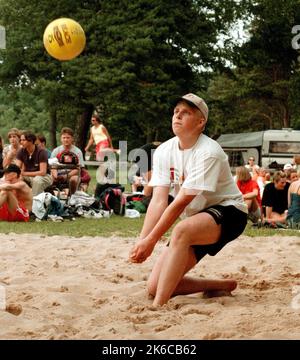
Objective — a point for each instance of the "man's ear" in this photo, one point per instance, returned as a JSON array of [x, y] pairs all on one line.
[[202, 122]]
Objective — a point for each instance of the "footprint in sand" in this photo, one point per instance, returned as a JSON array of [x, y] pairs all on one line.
[[198, 312], [162, 328], [6, 280], [26, 297], [97, 303]]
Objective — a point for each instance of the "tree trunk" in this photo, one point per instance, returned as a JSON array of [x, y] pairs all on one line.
[[53, 125], [82, 127], [286, 117]]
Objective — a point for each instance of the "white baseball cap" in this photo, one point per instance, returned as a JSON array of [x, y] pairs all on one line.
[[197, 101]]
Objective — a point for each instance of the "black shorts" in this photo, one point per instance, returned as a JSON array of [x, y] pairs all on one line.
[[233, 222]]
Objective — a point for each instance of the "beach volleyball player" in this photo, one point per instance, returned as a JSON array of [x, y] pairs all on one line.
[[207, 200]]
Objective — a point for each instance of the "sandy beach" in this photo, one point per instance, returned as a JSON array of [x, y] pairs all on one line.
[[85, 288]]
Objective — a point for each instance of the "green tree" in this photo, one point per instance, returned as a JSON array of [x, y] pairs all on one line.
[[261, 91], [139, 55], [24, 110]]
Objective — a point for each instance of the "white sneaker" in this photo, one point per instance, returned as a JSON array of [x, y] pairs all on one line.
[[106, 213], [91, 214]]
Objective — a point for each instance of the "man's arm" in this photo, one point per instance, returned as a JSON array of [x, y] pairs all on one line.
[[154, 229], [41, 172], [269, 211], [157, 206], [289, 195], [90, 142], [19, 163], [251, 195], [17, 186], [170, 215]]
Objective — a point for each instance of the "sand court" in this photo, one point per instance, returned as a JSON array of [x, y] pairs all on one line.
[[85, 288]]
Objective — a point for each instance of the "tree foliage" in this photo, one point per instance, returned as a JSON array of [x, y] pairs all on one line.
[[139, 55], [262, 90], [24, 110]]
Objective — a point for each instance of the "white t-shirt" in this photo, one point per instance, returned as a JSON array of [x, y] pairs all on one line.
[[203, 169], [98, 133], [73, 149]]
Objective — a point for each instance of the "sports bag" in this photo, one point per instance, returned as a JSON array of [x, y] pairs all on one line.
[[112, 199], [68, 158]]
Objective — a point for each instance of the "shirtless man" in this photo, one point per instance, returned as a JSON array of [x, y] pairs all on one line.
[[15, 196]]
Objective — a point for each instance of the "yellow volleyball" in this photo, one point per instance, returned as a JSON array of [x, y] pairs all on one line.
[[64, 39]]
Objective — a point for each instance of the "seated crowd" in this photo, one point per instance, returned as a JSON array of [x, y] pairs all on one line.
[[273, 203], [28, 169]]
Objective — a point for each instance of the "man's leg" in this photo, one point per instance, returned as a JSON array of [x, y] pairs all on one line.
[[200, 229], [3, 197], [73, 183], [40, 183], [252, 204], [278, 217], [187, 284], [9, 198]]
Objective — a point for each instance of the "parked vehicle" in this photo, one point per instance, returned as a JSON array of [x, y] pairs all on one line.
[[271, 149]]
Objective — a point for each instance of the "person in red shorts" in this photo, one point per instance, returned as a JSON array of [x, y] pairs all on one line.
[[15, 196], [251, 193]]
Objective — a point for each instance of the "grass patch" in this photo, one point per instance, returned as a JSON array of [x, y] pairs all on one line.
[[252, 231], [116, 225]]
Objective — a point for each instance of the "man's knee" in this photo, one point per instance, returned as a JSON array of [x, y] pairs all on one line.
[[73, 179], [180, 234], [4, 194]]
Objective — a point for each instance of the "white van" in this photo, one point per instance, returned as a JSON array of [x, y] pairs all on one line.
[[271, 148]]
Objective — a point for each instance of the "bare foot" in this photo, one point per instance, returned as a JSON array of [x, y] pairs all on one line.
[[229, 285], [215, 293]]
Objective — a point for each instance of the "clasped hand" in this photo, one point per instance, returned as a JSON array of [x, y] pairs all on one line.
[[141, 251]]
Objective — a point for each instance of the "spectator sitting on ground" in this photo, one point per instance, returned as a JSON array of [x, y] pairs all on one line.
[[275, 198], [1, 157], [293, 216], [41, 142], [137, 185], [296, 162], [33, 162], [69, 176], [291, 175], [251, 166], [251, 193], [261, 180], [144, 160], [287, 168], [15, 196], [10, 151]]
